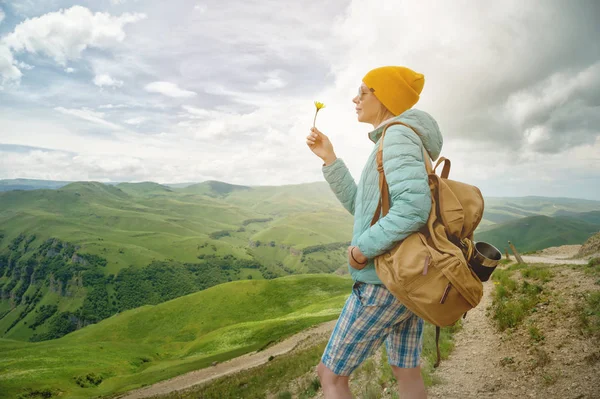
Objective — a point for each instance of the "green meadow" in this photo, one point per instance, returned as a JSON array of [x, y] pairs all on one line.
[[150, 343]]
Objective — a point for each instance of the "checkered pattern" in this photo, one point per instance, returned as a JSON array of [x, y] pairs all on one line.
[[370, 316]]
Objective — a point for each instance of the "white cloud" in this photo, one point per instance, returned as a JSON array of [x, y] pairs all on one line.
[[113, 106], [69, 70], [264, 125], [273, 81], [135, 121], [106, 80], [1, 15], [8, 71], [63, 35], [198, 113], [88, 115], [201, 8], [24, 65], [169, 89]]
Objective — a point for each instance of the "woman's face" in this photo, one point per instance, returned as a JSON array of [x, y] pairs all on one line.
[[368, 107]]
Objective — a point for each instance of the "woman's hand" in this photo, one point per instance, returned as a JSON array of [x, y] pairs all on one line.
[[321, 146], [356, 258]]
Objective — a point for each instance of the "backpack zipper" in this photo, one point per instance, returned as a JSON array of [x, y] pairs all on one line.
[[426, 266], [445, 295]]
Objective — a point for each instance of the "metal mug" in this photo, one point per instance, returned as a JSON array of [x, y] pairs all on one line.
[[484, 260]]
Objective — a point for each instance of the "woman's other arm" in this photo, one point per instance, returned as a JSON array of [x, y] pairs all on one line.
[[341, 182], [335, 171]]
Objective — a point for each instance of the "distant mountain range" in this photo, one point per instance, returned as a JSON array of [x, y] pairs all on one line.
[[30, 184], [34, 184]]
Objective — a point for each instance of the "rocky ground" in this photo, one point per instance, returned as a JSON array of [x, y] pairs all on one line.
[[557, 361]]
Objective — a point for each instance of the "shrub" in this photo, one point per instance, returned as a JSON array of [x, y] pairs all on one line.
[[36, 394], [589, 314], [513, 302], [88, 380]]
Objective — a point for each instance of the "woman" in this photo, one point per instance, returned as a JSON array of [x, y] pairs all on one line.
[[371, 314]]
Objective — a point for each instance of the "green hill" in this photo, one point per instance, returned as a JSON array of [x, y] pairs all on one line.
[[151, 343], [589, 217], [539, 232], [137, 229], [213, 188], [145, 188]]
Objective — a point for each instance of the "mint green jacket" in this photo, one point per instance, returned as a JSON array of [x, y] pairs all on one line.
[[410, 197]]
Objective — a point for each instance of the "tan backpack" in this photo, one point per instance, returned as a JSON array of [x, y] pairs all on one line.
[[429, 270]]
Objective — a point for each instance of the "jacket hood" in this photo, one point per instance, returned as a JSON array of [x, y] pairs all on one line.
[[424, 124]]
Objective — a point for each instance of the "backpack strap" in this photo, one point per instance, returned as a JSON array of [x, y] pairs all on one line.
[[437, 346], [446, 168], [384, 200]]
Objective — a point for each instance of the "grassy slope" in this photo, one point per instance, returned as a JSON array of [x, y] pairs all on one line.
[[147, 344]]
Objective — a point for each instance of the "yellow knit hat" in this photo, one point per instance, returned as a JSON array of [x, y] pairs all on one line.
[[397, 88]]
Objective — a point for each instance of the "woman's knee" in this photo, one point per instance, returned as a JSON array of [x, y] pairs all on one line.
[[406, 374], [326, 376]]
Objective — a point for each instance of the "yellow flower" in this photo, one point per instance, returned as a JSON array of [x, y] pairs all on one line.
[[319, 106]]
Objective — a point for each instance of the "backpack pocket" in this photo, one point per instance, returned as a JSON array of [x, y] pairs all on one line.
[[405, 263], [441, 297]]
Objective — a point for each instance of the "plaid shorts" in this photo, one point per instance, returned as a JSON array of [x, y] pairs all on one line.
[[370, 316]]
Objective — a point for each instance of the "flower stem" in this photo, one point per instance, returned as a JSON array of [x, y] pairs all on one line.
[[315, 120]]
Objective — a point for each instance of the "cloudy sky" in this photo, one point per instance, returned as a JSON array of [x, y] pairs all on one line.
[[187, 91]]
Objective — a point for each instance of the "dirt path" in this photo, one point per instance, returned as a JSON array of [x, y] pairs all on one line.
[[562, 255], [232, 366], [562, 364], [469, 370], [553, 260]]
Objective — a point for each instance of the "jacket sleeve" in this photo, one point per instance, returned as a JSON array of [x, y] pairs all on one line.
[[342, 183], [410, 196]]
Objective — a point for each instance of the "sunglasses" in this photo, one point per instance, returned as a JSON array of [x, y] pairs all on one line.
[[361, 92]]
